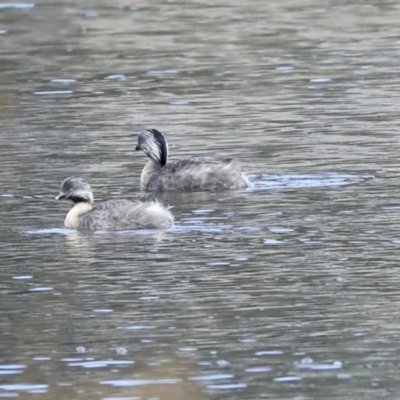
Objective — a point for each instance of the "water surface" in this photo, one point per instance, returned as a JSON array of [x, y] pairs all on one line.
[[285, 290]]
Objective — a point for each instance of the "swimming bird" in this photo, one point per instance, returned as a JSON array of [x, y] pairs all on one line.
[[191, 174], [112, 214]]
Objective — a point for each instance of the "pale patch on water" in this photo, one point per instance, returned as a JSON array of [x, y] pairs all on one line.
[[200, 227], [17, 5], [320, 80], [258, 369], [119, 77], [303, 181], [211, 377], [41, 289], [67, 232], [121, 398], [11, 369], [50, 231], [21, 387], [287, 379], [227, 386], [52, 92], [140, 382], [137, 327], [269, 353], [308, 363], [100, 363], [22, 277], [10, 372], [63, 81], [163, 72]]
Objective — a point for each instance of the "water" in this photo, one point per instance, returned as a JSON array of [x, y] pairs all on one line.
[[285, 290]]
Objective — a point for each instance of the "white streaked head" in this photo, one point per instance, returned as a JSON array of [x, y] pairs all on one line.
[[154, 144], [75, 189]]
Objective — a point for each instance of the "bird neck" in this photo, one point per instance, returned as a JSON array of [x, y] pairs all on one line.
[[148, 170], [72, 218]]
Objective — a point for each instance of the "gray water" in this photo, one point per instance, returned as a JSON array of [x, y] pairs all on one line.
[[289, 289]]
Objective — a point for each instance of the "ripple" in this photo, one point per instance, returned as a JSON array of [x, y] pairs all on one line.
[[320, 80], [139, 382], [203, 211], [10, 372], [248, 340], [59, 231], [211, 377], [269, 353], [52, 92], [163, 72], [306, 180], [121, 398], [21, 387], [12, 366], [120, 77], [17, 5], [188, 349], [287, 379], [258, 369], [343, 376], [22, 277], [149, 298], [227, 386], [200, 228], [285, 68], [280, 230], [308, 363], [223, 363], [218, 263], [100, 363], [41, 289], [80, 349], [137, 327], [273, 241], [64, 81], [179, 103], [91, 14]]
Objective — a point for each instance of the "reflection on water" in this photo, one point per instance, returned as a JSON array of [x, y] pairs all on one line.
[[288, 289]]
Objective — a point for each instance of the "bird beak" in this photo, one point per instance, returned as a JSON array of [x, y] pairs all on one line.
[[138, 148], [61, 196]]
